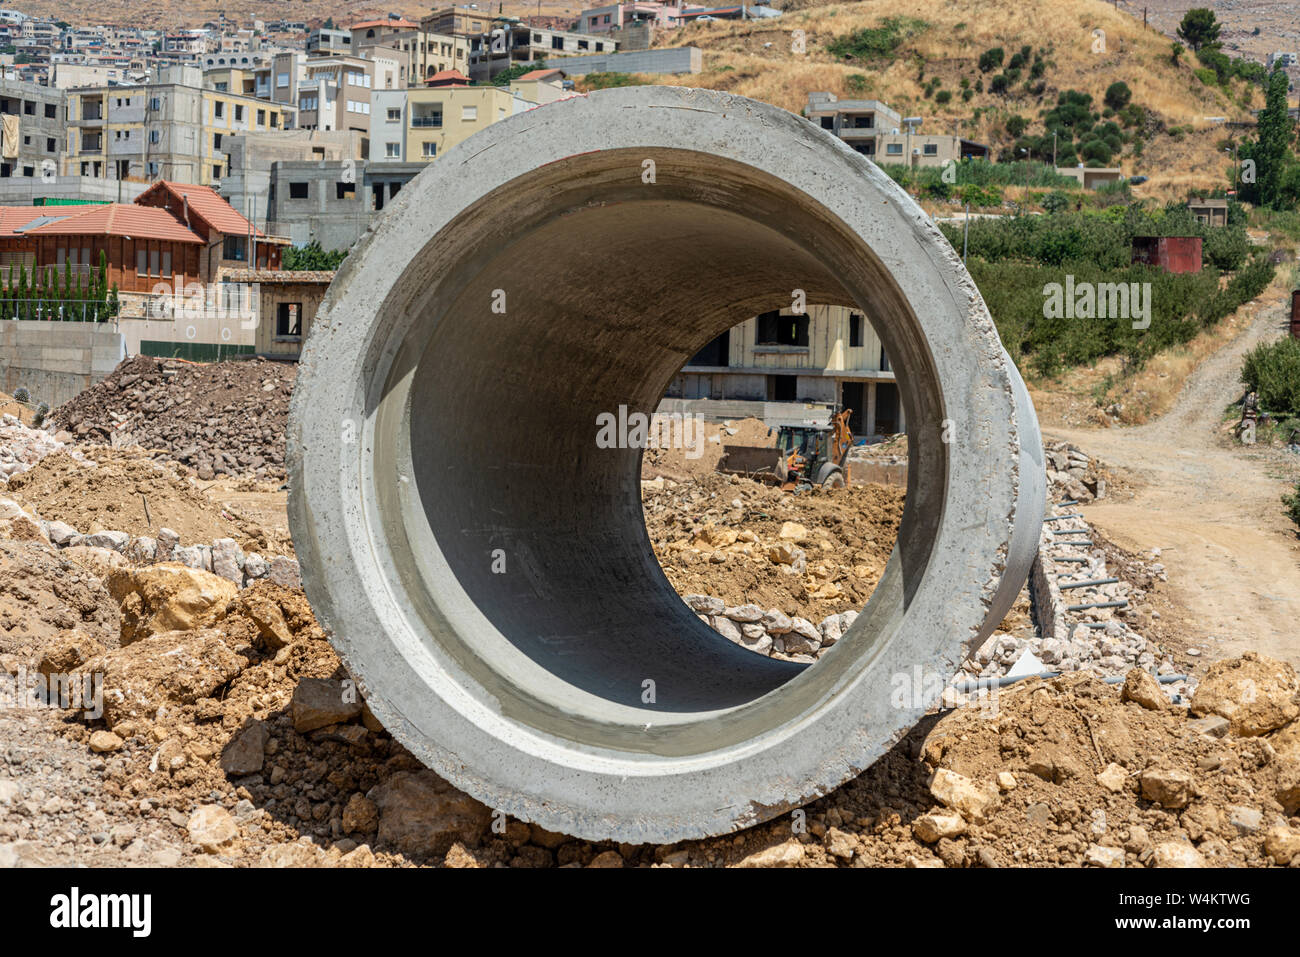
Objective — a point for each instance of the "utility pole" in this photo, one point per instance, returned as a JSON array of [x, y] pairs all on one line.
[[965, 232]]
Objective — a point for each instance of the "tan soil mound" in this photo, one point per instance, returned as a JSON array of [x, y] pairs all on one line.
[[45, 599], [115, 494], [697, 453], [850, 535]]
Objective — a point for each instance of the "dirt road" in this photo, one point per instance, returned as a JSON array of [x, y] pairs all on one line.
[[1213, 509]]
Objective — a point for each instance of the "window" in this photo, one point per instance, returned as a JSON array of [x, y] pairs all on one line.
[[855, 330], [216, 171], [930, 149], [155, 136], [392, 150], [557, 43], [469, 113], [261, 117], [166, 263], [51, 111], [234, 248], [582, 45], [239, 113], [155, 103], [894, 149], [429, 150], [774, 329], [782, 388], [288, 320], [828, 122], [282, 79], [216, 141], [394, 114], [29, 170], [218, 109], [49, 144], [141, 261], [345, 190], [884, 360], [29, 108], [297, 191], [307, 102]]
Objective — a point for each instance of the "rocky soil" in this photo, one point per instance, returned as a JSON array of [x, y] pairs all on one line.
[[164, 712], [223, 418]]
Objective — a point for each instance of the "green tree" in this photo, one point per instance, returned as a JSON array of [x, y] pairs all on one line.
[[312, 258], [1118, 95], [1270, 151], [1199, 28]]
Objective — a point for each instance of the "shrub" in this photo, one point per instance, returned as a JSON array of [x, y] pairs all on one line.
[[1118, 95], [1292, 503], [876, 43], [1273, 369], [991, 59]]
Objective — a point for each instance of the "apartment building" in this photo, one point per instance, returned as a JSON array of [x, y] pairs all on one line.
[[418, 125], [829, 357], [512, 42], [460, 21], [336, 92], [881, 133], [327, 42], [618, 16], [34, 129], [173, 130]]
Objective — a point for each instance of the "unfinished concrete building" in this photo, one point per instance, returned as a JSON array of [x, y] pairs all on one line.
[[776, 365]]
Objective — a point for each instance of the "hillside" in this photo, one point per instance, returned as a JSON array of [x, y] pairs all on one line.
[[942, 42]]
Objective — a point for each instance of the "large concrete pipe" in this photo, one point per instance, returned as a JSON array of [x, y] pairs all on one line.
[[484, 567]]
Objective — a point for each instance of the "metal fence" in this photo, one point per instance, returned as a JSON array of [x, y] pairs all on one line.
[[58, 310]]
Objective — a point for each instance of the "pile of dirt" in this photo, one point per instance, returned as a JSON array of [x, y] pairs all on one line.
[[11, 406], [46, 600], [809, 554], [223, 418], [1071, 772], [686, 448], [120, 491]]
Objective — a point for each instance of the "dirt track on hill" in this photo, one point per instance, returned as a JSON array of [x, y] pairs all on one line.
[[1212, 507]]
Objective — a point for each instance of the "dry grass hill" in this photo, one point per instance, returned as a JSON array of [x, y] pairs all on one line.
[[756, 59]]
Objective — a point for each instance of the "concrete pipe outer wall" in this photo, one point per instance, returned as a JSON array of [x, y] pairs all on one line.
[[432, 438]]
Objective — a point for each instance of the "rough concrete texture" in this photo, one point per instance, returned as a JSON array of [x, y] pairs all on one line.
[[484, 566]]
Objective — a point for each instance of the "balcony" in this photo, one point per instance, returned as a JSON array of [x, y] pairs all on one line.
[[426, 120]]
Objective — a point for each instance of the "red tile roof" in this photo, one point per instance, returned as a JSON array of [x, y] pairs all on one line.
[[119, 219], [205, 203], [540, 74], [13, 218], [448, 78]]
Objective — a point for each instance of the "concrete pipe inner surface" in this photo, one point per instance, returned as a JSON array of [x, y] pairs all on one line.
[[483, 565]]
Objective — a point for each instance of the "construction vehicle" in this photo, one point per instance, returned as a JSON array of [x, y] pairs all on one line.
[[804, 455]]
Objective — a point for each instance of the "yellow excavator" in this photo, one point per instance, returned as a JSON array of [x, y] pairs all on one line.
[[804, 455]]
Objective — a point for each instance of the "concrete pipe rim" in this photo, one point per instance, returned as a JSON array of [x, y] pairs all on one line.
[[459, 689]]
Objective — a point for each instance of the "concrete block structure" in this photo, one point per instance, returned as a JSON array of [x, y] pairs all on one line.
[[34, 130], [879, 132], [172, 130], [56, 360], [828, 358]]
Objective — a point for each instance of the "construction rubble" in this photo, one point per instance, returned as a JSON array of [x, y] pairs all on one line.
[[226, 731]]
